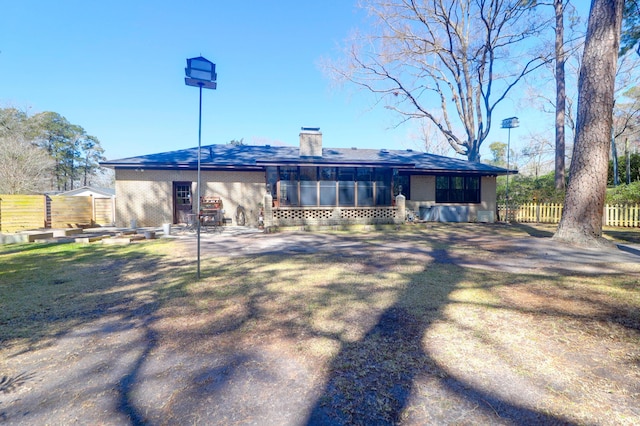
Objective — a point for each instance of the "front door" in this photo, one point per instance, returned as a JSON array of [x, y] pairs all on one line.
[[182, 201]]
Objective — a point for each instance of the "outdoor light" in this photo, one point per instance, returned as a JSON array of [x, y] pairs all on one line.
[[509, 123], [200, 72]]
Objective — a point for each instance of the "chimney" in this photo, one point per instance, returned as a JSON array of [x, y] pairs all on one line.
[[310, 142]]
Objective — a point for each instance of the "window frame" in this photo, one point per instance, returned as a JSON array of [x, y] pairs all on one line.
[[458, 189], [296, 182]]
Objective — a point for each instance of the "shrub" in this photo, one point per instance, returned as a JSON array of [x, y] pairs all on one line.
[[624, 194], [528, 189]]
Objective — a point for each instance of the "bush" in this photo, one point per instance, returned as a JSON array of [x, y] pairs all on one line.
[[527, 189], [624, 194]]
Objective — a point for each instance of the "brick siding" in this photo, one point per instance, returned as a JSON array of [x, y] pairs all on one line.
[[147, 196]]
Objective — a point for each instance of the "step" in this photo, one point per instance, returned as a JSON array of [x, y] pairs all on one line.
[[90, 239], [66, 232], [117, 241]]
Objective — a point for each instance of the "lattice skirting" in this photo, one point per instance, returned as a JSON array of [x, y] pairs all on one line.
[[292, 216]]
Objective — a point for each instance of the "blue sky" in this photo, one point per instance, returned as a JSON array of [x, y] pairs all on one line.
[[117, 69]]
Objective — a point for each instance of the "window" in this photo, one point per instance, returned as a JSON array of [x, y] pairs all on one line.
[[402, 183], [347, 174], [288, 186], [272, 181], [289, 173], [346, 186], [346, 193], [183, 193], [308, 193], [364, 174], [328, 174], [457, 189], [328, 193], [308, 174], [330, 186]]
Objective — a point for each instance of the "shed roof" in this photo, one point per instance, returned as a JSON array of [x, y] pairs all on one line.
[[251, 157], [105, 192]]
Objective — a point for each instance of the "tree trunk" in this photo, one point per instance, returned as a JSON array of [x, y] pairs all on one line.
[[560, 96], [614, 159], [581, 221], [627, 156]]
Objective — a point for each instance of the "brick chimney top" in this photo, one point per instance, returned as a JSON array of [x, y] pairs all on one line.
[[310, 142]]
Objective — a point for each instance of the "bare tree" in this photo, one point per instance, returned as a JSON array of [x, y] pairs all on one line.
[[626, 131], [426, 137], [568, 54], [103, 178], [450, 62], [24, 168], [624, 114], [581, 221], [539, 155], [560, 94], [567, 50], [626, 117]]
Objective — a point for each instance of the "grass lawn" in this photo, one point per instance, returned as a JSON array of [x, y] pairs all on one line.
[[350, 336]]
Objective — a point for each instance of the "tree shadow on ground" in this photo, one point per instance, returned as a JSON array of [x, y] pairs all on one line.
[[627, 235], [209, 362], [534, 231], [9, 384], [77, 294], [371, 381]]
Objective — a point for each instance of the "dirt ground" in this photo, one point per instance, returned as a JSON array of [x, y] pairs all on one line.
[[133, 364], [479, 249]]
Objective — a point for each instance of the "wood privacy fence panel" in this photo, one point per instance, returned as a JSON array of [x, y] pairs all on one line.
[[28, 212], [71, 212], [21, 212], [103, 211]]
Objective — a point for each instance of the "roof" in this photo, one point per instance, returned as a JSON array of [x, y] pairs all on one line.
[[250, 157], [105, 192]]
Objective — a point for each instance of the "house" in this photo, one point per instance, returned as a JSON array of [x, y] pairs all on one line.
[[309, 184]]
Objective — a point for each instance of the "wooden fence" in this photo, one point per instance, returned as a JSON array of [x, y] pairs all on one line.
[[27, 212], [71, 212], [21, 212], [622, 216], [627, 216]]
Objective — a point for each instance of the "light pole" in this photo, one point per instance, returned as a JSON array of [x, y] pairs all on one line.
[[201, 73], [509, 123]]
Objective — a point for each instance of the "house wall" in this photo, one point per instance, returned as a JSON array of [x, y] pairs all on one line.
[[423, 188], [423, 194], [147, 196]]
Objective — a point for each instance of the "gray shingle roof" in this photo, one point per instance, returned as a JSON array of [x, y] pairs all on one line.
[[257, 157]]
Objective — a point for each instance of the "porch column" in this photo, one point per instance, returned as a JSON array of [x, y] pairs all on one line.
[[268, 211], [402, 211]]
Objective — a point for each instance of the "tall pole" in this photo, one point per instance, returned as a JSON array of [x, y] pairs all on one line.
[[509, 123], [199, 191], [508, 160], [202, 73]]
